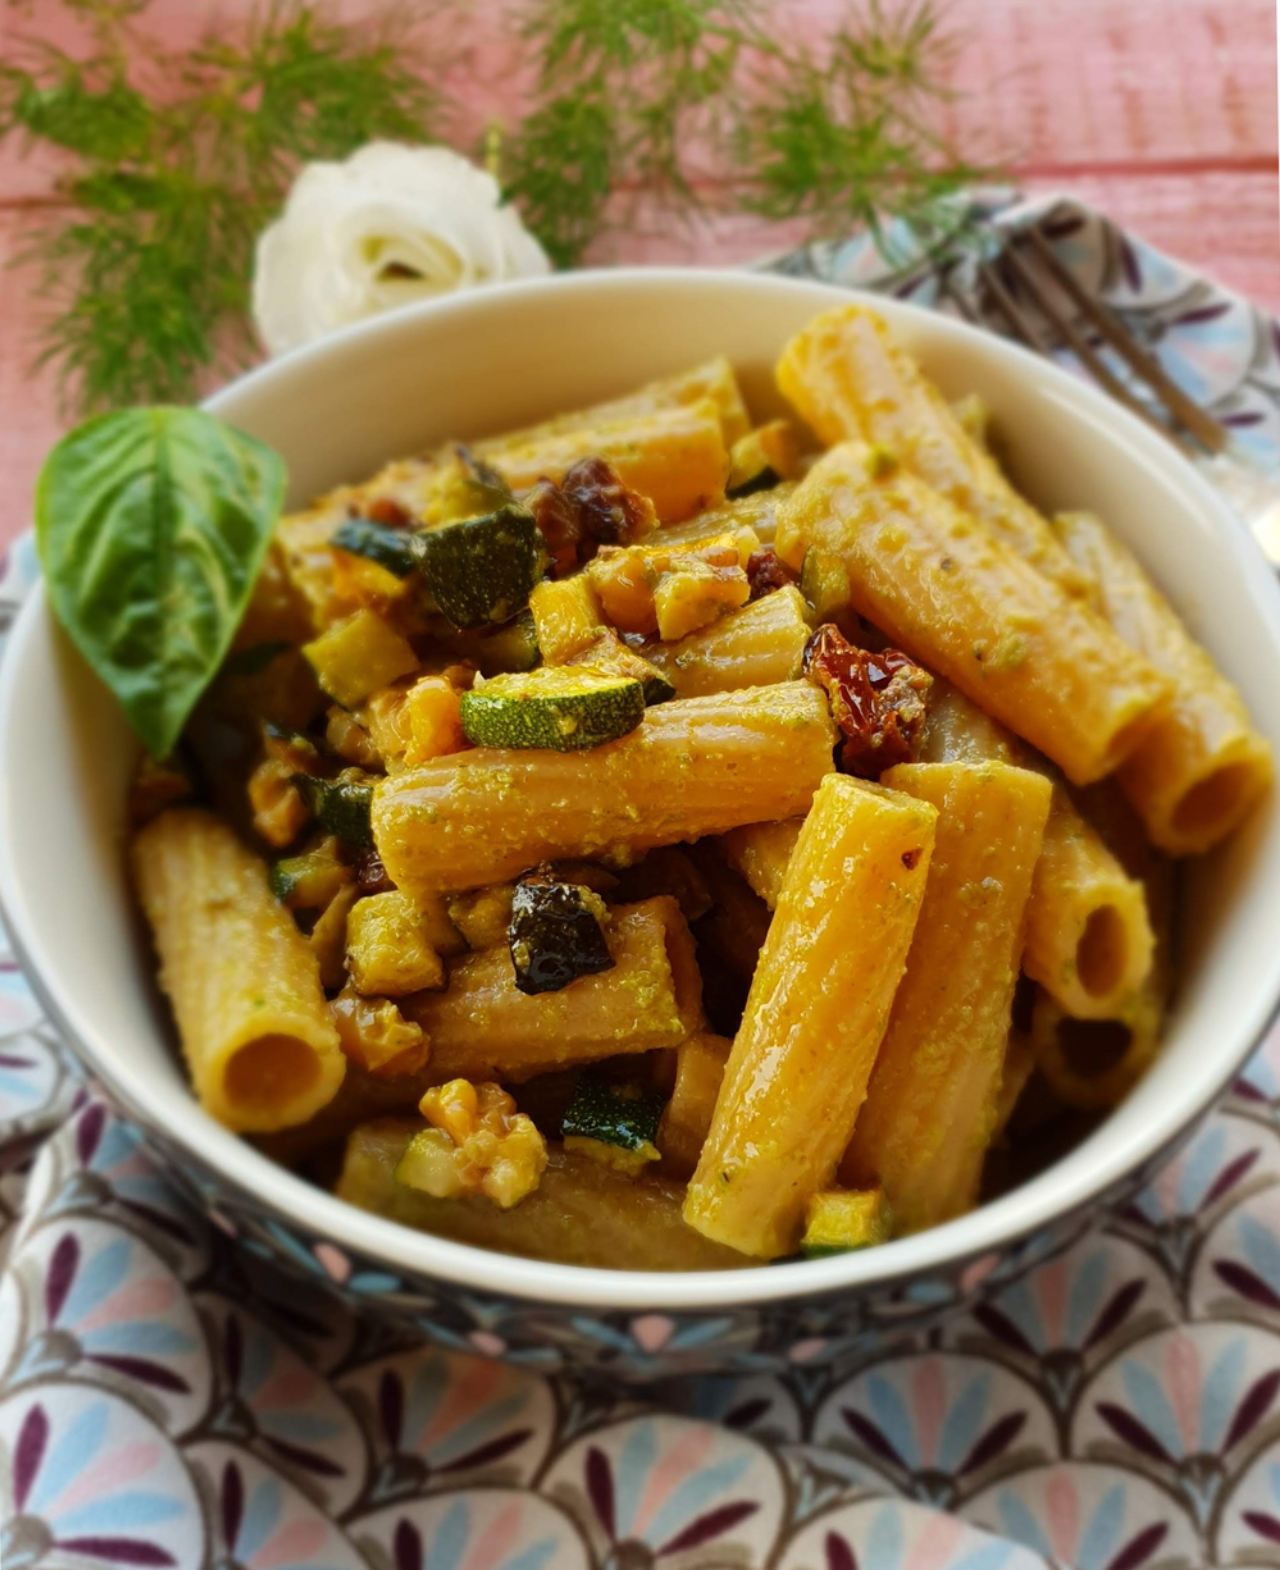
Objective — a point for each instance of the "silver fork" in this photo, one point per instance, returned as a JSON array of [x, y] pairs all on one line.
[[1027, 258]]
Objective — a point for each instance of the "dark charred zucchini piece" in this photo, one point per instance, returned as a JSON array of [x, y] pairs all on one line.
[[764, 479], [481, 571], [390, 548], [615, 1124], [556, 934], [341, 806]]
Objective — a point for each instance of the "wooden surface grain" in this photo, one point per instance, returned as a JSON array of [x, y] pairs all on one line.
[[1161, 112]]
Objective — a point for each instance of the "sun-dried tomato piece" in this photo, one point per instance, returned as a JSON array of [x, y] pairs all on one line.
[[878, 700], [559, 524], [590, 507], [766, 571], [387, 511], [371, 875]]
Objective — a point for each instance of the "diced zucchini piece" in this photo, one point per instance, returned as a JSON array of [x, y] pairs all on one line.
[[615, 1125], [762, 458], [840, 1220], [390, 548], [483, 915], [310, 881], [556, 934], [609, 654], [568, 617], [358, 655], [341, 806], [695, 594], [564, 708], [824, 582], [433, 714], [512, 648], [388, 952], [481, 571]]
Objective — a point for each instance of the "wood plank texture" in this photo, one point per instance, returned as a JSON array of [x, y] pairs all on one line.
[[1162, 112]]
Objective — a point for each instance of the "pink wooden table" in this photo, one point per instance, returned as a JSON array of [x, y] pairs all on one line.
[[1163, 112]]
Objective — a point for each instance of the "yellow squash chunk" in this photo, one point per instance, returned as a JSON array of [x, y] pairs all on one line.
[[764, 456], [627, 579], [388, 952], [568, 617], [433, 716], [358, 655], [839, 1220], [815, 1016]]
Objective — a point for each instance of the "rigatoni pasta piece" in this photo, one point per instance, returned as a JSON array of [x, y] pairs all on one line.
[[676, 457], [756, 646], [693, 766], [714, 380], [259, 1044], [846, 376], [930, 1111], [580, 1213], [815, 1016], [1202, 766], [757, 513], [941, 586], [761, 853], [686, 1119], [1088, 938], [483, 1027]]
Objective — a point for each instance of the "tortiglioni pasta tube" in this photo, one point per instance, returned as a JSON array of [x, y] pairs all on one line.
[[757, 646], [484, 1027], [815, 1016], [256, 1033], [848, 378], [930, 1111], [941, 586], [1203, 765], [694, 766]]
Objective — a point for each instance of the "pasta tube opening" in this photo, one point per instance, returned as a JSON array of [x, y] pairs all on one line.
[[269, 1074], [1102, 954], [1212, 806]]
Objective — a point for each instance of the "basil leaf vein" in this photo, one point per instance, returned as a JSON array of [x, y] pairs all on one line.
[[151, 525]]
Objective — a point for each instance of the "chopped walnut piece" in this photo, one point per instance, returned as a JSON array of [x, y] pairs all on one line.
[[477, 1144], [766, 571], [878, 700], [590, 507], [374, 1033]]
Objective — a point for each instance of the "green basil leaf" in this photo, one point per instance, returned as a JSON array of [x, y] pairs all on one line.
[[151, 526]]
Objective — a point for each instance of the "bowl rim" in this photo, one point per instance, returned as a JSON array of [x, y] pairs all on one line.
[[991, 1229]]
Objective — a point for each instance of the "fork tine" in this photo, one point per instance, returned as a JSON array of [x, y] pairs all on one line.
[[1143, 364], [949, 290], [1022, 325], [1078, 343]]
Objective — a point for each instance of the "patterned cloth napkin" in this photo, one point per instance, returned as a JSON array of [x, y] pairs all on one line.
[[167, 1400]]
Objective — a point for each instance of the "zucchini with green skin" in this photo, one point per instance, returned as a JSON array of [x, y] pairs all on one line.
[[310, 880], [481, 571], [341, 806], [565, 708], [377, 542], [556, 935], [837, 1221], [512, 648], [615, 1125]]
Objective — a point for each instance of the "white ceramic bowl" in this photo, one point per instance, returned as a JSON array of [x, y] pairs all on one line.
[[484, 361]]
